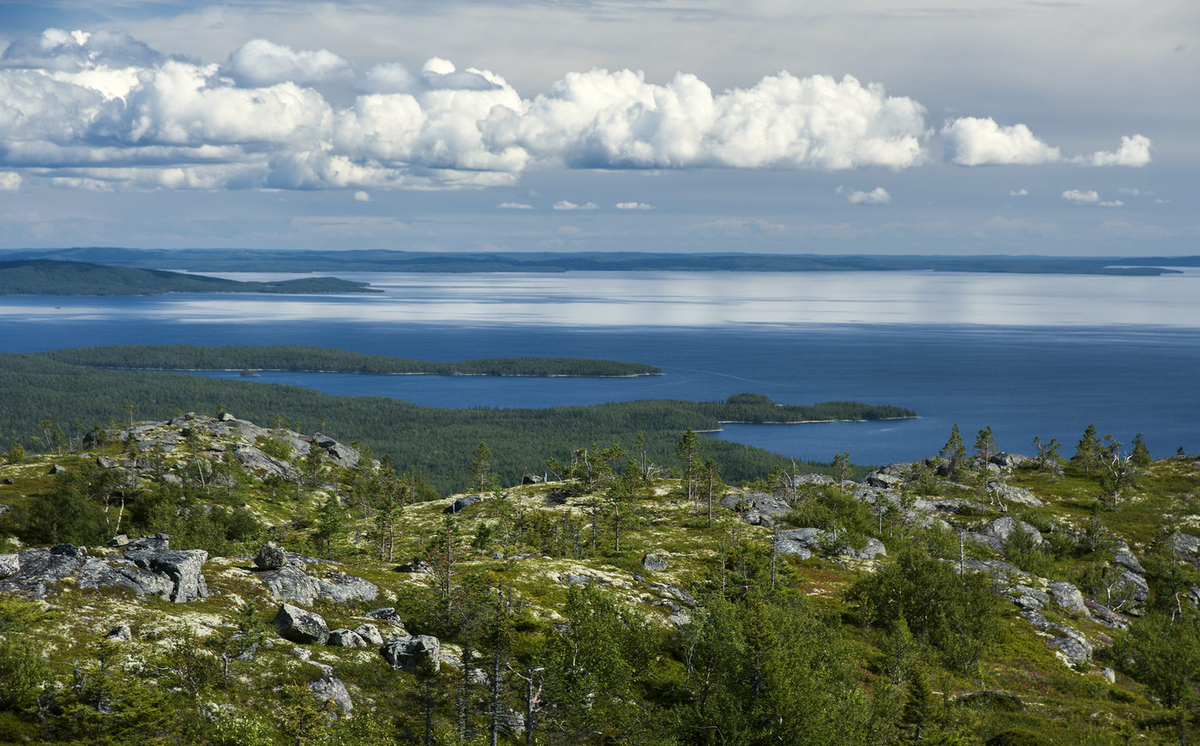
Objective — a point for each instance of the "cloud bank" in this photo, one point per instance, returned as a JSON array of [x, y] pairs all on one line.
[[106, 111]]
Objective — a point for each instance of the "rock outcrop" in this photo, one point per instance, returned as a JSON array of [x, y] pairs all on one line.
[[412, 653], [300, 625]]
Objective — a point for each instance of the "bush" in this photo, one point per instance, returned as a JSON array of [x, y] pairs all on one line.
[[1018, 737], [23, 674]]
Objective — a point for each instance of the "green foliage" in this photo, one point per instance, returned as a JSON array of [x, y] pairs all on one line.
[[955, 615], [1141, 454], [274, 447], [22, 671], [15, 455], [1023, 550], [954, 451], [1164, 653], [1088, 451], [1018, 737]]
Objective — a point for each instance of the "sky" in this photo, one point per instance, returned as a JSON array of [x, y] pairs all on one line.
[[773, 126]]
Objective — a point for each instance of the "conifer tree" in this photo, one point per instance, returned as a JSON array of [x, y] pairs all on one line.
[[1088, 451], [1141, 454], [954, 451]]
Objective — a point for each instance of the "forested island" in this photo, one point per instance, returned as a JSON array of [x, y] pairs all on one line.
[[307, 359], [439, 442], [380, 260], [51, 277]]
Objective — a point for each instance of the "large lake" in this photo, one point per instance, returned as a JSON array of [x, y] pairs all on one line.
[[1029, 355]]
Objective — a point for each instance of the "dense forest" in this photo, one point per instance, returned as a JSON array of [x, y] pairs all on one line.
[[302, 358], [50, 277], [436, 441]]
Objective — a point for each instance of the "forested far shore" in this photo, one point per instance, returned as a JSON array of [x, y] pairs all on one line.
[[439, 442], [306, 359], [53, 277]]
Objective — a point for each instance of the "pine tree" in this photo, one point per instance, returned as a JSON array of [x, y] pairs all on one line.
[[1141, 454], [918, 704], [481, 468], [954, 451], [688, 451], [985, 444], [1087, 453]]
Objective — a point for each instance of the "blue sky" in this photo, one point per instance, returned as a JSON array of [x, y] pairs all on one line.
[[857, 126]]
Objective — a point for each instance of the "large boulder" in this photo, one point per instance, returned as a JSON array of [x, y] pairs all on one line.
[[387, 614], [1125, 558], [182, 567], [97, 573], [1067, 596], [1003, 527], [291, 583], [345, 638], [1188, 546], [300, 625], [270, 557], [1009, 494], [761, 503], [37, 569], [654, 562], [370, 634], [257, 461], [464, 502], [412, 653], [329, 690]]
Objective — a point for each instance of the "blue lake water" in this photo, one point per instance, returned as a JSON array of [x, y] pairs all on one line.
[[1028, 355]]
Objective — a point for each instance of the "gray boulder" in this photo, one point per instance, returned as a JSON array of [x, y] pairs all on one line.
[[873, 549], [120, 633], [107, 462], [464, 502], [411, 653], [994, 543], [343, 455], [760, 502], [345, 638], [10, 564], [290, 583], [1002, 528], [97, 573], [654, 562], [58, 469], [37, 569], [330, 691], [1076, 651], [120, 540], [417, 566], [270, 557], [1188, 546], [1009, 460], [182, 568], [255, 460], [340, 587], [156, 542], [386, 614], [1125, 558], [1030, 598], [370, 634], [1068, 597], [300, 625], [793, 549], [1010, 494]]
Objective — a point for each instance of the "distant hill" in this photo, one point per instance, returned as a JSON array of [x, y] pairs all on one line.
[[50, 277], [380, 260]]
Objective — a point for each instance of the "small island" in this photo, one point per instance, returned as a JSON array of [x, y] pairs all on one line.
[[51, 277]]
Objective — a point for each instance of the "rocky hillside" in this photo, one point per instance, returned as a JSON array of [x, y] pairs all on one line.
[[211, 580]]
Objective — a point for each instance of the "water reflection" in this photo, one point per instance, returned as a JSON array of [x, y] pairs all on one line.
[[676, 299]]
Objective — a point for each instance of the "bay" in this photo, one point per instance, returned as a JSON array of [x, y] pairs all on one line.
[[1029, 355]]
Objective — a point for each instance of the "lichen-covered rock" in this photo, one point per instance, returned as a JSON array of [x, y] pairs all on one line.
[[330, 690], [181, 566], [412, 653], [270, 557], [10, 564], [255, 460], [345, 638], [464, 502], [369, 633], [120, 633], [1010, 494], [792, 549], [1187, 545], [1068, 596], [654, 562], [97, 573], [340, 587], [417, 566], [38, 568], [300, 625], [1124, 557], [290, 583], [1003, 527], [386, 614]]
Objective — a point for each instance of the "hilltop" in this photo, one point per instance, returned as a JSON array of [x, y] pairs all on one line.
[[53, 277], [206, 579]]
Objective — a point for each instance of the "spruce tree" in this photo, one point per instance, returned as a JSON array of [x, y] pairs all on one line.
[[954, 451], [1087, 453], [1141, 454]]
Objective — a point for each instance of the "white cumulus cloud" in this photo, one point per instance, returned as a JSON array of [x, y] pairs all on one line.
[[633, 206], [1134, 152], [260, 63], [877, 196], [982, 142], [1019, 193], [103, 109], [513, 206], [361, 196], [565, 205], [10, 181]]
